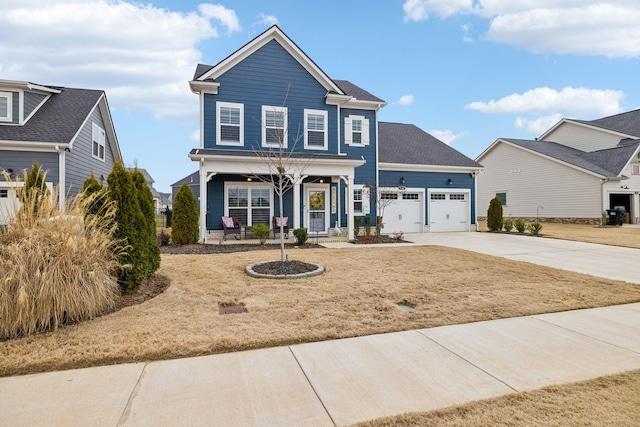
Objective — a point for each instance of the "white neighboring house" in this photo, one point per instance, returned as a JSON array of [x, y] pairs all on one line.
[[574, 172]]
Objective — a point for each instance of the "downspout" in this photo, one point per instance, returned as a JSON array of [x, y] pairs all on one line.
[[474, 175], [602, 183], [339, 128], [62, 176]]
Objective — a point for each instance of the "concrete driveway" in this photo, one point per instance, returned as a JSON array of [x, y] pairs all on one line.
[[610, 262]]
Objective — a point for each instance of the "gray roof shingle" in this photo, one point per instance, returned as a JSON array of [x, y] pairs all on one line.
[[627, 123], [408, 144], [58, 120], [609, 162], [357, 92]]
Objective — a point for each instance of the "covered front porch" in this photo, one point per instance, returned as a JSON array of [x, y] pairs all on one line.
[[245, 185]]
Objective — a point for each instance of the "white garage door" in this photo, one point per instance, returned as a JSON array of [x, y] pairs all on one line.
[[448, 211], [403, 213], [8, 204]]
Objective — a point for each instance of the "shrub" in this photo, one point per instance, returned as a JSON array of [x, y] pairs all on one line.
[[367, 226], [378, 226], [131, 228], [184, 220], [92, 188], [57, 266], [34, 190], [507, 224], [356, 226], [261, 232], [494, 215], [534, 228], [145, 201], [163, 238], [301, 236], [520, 225]]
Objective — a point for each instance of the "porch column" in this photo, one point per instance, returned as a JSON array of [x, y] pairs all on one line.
[[203, 202], [349, 203], [296, 203]]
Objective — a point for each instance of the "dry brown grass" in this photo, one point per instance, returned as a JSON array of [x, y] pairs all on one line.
[[615, 236], [356, 296], [605, 401]]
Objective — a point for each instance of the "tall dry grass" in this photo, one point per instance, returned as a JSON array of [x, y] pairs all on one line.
[[56, 265]]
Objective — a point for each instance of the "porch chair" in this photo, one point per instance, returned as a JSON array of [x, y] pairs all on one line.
[[230, 225], [276, 222]]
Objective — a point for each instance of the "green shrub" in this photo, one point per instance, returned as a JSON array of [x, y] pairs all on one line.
[[507, 224], [520, 225], [56, 266], [261, 232], [92, 187], [534, 228], [301, 236], [184, 220], [131, 228], [379, 226], [145, 200], [367, 226], [356, 226], [494, 215], [163, 238]]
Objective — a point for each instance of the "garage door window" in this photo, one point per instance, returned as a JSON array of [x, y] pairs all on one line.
[[456, 196], [4, 194], [438, 196], [410, 196], [389, 196]]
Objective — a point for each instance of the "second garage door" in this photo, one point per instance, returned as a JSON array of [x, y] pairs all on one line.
[[449, 211], [404, 212]]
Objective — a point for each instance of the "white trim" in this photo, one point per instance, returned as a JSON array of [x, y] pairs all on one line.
[[204, 87], [364, 131], [103, 143], [586, 125], [325, 131], [35, 146], [426, 168], [284, 142], [219, 141], [249, 185], [9, 98], [23, 119], [308, 188]]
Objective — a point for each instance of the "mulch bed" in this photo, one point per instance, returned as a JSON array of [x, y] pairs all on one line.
[[227, 249], [374, 240], [151, 288], [278, 268]]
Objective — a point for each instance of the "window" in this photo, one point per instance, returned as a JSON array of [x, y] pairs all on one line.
[[98, 138], [356, 131], [6, 106], [4, 194], [456, 196], [502, 197], [315, 136], [251, 205], [360, 200], [357, 201], [410, 196], [274, 126], [438, 196], [635, 169], [388, 196], [230, 124]]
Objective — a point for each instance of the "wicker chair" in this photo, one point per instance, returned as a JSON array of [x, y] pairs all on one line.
[[275, 225], [230, 225]]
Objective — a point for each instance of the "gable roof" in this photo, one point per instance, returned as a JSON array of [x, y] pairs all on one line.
[[627, 123], [358, 93], [408, 144], [608, 163], [205, 73], [59, 120], [192, 179]]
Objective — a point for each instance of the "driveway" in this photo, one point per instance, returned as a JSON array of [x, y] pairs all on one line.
[[611, 262]]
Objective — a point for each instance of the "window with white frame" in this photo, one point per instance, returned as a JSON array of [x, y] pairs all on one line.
[[360, 200], [356, 130], [502, 196], [274, 126], [98, 141], [250, 204], [315, 136], [229, 123], [6, 106], [635, 169]]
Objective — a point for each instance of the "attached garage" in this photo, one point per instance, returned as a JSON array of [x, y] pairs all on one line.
[[8, 203], [449, 210], [404, 211]]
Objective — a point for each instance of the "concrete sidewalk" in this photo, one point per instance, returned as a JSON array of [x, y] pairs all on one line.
[[611, 262], [335, 382]]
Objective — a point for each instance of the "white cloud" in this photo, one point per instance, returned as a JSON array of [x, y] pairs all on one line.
[[141, 55], [583, 27], [195, 136], [579, 102], [466, 29], [405, 100], [267, 19], [447, 136], [540, 125]]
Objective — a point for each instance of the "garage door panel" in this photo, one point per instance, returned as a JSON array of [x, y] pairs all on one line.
[[448, 211], [404, 214]]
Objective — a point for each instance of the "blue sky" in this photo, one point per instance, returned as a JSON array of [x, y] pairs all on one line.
[[467, 71]]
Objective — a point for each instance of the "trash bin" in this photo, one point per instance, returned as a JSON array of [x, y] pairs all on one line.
[[615, 216]]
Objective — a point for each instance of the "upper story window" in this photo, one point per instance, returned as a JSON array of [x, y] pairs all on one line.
[[315, 136], [6, 106], [98, 142], [356, 131], [274, 126], [230, 123]]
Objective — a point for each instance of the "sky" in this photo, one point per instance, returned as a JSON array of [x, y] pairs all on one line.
[[466, 71]]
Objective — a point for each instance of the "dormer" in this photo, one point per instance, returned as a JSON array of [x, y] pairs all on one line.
[[20, 100]]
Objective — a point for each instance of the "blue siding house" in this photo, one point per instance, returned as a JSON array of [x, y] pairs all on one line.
[[68, 131], [269, 100]]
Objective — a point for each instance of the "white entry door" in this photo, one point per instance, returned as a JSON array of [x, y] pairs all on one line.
[[316, 208]]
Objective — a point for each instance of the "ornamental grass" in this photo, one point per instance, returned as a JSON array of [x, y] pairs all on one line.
[[56, 265]]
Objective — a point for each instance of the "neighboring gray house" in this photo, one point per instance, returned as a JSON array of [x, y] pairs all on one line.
[[574, 172], [68, 131], [193, 181]]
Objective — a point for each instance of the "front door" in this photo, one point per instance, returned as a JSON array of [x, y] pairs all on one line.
[[316, 207]]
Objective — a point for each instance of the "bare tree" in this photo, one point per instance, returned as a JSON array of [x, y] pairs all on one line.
[[282, 167], [383, 197]]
